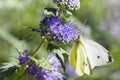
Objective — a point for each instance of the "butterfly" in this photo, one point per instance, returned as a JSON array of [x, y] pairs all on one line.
[[86, 54]]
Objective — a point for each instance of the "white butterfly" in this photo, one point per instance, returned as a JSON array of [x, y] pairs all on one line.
[[87, 54]]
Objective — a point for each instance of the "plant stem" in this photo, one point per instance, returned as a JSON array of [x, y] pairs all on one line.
[[34, 53]]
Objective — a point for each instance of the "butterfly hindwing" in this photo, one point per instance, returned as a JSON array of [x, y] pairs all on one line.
[[97, 55]]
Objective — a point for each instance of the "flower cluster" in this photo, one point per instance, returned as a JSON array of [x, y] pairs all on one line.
[[69, 4], [54, 62], [70, 70], [40, 72], [53, 29], [23, 56]]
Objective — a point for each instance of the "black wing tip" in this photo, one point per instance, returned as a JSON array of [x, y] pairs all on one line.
[[110, 58]]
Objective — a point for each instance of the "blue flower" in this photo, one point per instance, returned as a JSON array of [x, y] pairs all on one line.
[[70, 72], [68, 32], [54, 76], [31, 68], [36, 71], [50, 21], [40, 73], [23, 57], [54, 30], [56, 72], [54, 62]]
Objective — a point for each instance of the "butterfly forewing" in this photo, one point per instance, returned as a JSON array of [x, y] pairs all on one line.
[[76, 58], [80, 63], [87, 66]]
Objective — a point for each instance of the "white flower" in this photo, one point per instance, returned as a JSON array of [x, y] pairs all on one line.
[[68, 4]]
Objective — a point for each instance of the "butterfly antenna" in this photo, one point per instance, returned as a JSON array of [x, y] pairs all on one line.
[[85, 22]]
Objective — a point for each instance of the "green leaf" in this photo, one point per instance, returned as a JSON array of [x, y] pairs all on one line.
[[50, 11], [12, 76], [7, 69], [59, 51], [51, 47]]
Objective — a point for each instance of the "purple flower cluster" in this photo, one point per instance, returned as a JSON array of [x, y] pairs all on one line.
[[69, 70], [53, 29], [23, 56], [41, 73], [50, 21], [33, 70], [54, 62]]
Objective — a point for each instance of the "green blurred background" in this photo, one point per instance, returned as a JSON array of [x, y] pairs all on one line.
[[99, 20]]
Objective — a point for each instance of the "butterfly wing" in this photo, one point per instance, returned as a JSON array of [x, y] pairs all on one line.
[[87, 66], [96, 54], [79, 60], [87, 54], [76, 58]]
